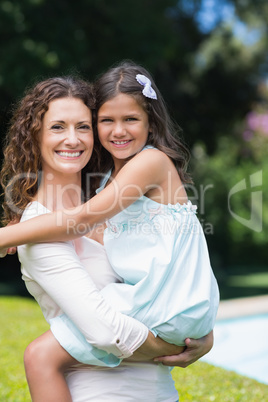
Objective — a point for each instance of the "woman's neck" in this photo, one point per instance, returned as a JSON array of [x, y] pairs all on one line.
[[59, 191]]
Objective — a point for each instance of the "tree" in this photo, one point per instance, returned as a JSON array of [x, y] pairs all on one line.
[[209, 74], [207, 77]]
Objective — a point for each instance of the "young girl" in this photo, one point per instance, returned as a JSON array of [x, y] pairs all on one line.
[[153, 238]]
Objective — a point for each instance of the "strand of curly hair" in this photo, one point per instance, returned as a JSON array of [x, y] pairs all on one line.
[[19, 174], [22, 158]]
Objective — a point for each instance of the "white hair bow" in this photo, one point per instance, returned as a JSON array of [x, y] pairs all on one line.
[[147, 91]]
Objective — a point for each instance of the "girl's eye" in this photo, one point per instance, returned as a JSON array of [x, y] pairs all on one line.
[[131, 119], [105, 120]]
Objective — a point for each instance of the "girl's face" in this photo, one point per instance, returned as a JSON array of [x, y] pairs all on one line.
[[123, 128], [66, 137]]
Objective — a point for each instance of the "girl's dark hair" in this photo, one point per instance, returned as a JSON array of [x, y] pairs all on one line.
[[164, 133], [22, 158]]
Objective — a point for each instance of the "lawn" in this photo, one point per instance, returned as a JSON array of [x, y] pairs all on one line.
[[21, 321]]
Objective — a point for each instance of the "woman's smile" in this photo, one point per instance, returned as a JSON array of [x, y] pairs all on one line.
[[69, 154], [66, 137]]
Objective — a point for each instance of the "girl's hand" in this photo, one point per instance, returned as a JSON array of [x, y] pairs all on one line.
[[10, 250], [195, 348], [3, 252], [153, 347]]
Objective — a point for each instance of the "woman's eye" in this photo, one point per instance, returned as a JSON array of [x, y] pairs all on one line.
[[57, 127], [84, 127]]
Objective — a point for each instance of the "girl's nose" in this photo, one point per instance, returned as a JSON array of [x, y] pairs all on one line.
[[119, 130], [72, 138]]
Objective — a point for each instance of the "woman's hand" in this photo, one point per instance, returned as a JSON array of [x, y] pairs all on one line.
[[195, 348]]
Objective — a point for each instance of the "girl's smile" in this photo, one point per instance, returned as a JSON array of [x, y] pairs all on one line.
[[123, 128], [121, 144]]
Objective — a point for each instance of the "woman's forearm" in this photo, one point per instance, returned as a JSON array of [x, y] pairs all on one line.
[[194, 349], [62, 276]]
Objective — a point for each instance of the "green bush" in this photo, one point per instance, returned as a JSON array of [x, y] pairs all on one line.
[[235, 223], [21, 321]]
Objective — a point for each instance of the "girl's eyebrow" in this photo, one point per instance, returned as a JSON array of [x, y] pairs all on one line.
[[127, 114], [103, 117]]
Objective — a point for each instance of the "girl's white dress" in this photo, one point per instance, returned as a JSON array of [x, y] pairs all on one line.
[[161, 253]]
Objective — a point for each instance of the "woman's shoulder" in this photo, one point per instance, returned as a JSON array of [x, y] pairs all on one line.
[[33, 209]]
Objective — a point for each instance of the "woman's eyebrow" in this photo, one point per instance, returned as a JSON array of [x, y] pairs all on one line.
[[62, 121]]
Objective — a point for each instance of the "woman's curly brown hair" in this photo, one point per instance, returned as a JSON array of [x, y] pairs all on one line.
[[22, 159]]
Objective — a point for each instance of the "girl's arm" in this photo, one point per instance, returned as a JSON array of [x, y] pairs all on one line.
[[147, 168]]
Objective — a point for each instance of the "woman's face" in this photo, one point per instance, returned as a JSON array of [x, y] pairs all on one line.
[[122, 127], [66, 136]]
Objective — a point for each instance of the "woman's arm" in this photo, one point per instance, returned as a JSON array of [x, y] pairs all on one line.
[[134, 179], [194, 350], [58, 270]]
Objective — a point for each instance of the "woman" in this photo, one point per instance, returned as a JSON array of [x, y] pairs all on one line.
[[51, 133]]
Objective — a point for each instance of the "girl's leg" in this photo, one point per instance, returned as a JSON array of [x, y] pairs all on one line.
[[45, 362]]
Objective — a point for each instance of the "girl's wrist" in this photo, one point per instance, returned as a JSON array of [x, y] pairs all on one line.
[[155, 346]]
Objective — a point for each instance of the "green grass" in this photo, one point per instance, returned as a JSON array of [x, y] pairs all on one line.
[[21, 321], [202, 382]]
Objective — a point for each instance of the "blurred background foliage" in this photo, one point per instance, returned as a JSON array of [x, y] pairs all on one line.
[[210, 61]]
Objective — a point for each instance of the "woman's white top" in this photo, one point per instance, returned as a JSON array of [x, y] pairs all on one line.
[[64, 277], [57, 278]]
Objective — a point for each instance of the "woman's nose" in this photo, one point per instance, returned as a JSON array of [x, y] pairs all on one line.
[[72, 138]]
